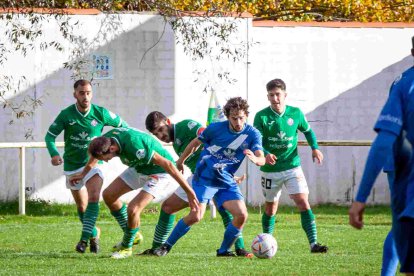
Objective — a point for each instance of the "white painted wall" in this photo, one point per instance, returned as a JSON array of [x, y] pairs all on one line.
[[338, 76]]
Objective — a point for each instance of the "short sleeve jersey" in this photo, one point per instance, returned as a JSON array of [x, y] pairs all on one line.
[[397, 116], [280, 136], [184, 132], [223, 153], [137, 148], [79, 130]]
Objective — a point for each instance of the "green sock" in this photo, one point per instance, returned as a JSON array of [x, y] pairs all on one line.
[[129, 236], [94, 231], [163, 228], [309, 225], [268, 223], [80, 215], [89, 220], [121, 216], [227, 218]]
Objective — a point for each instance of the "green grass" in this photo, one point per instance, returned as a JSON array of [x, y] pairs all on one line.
[[42, 243]]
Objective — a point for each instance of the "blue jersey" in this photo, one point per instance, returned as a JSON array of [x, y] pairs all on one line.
[[223, 153], [397, 116]]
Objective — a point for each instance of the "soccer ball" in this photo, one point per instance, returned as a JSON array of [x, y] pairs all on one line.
[[264, 246]]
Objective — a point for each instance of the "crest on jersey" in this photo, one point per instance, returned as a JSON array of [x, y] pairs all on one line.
[[140, 153], [290, 121], [191, 124], [245, 145], [178, 142], [94, 122]]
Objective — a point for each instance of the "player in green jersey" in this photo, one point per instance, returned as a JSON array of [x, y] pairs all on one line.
[[81, 122], [279, 124], [151, 168], [180, 134]]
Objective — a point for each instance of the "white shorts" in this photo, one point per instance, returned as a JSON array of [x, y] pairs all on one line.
[[180, 191], [77, 187], [160, 185], [293, 179]]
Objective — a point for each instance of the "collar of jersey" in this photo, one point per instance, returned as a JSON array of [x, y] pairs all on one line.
[[236, 132], [277, 114], [83, 115]]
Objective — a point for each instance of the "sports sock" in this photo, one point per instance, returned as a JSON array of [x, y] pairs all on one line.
[[163, 228], [121, 216], [179, 230], [389, 257], [230, 235], [94, 231], [268, 223], [227, 218], [309, 225], [129, 236], [89, 220]]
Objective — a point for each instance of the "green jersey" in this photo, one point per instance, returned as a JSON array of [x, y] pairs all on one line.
[[280, 136], [136, 149], [184, 132], [79, 130]]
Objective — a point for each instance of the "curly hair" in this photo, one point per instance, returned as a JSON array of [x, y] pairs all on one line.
[[100, 146], [236, 103]]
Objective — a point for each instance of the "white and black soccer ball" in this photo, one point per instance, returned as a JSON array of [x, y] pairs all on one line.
[[264, 246]]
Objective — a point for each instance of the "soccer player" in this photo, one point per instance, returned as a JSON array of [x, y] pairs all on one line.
[[225, 146], [151, 168], [394, 125], [180, 134], [279, 124], [81, 122]]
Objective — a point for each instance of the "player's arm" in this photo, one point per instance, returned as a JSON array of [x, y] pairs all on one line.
[[380, 150], [50, 138], [169, 167], [112, 119], [257, 157], [92, 162], [188, 151]]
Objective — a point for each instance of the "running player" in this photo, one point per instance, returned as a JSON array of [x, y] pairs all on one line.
[[225, 146], [151, 168], [81, 122], [180, 134], [279, 124]]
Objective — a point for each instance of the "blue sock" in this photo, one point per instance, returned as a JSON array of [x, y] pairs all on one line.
[[179, 230], [230, 236], [389, 257]]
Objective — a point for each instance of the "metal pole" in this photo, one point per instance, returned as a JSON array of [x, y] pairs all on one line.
[[22, 184]]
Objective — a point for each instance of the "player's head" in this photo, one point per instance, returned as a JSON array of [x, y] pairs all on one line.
[[159, 125], [276, 94], [83, 94], [103, 148], [236, 111]]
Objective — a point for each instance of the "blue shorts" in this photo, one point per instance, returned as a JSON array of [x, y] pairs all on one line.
[[205, 194]]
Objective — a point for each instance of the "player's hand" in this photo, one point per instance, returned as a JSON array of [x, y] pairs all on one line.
[[56, 160], [239, 179], [193, 202], [317, 155], [74, 179], [180, 166], [271, 159], [356, 212], [250, 155]]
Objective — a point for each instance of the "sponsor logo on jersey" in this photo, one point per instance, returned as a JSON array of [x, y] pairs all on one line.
[[390, 118], [271, 123], [191, 124], [229, 153], [178, 142], [140, 153], [94, 122], [72, 123], [83, 135], [113, 115], [219, 166], [281, 135], [290, 121]]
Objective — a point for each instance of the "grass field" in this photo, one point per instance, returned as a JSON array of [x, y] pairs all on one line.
[[43, 242]]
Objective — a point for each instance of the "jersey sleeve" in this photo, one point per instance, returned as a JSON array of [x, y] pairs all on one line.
[[207, 134], [54, 130], [112, 119], [142, 151], [306, 129], [391, 116]]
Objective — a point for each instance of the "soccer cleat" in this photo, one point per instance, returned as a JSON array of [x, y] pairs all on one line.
[[148, 252], [162, 250], [81, 246], [94, 242], [319, 248], [241, 252], [122, 253], [117, 247], [138, 238], [226, 254]]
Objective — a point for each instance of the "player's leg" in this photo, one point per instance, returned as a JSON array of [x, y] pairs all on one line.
[[81, 199], [272, 184], [389, 257]]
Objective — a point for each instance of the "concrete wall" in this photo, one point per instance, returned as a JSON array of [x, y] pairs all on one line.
[[338, 76]]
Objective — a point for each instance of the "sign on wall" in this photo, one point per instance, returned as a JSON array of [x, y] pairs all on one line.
[[102, 67]]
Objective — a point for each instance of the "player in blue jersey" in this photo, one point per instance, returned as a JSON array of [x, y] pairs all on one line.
[[225, 146], [394, 125]]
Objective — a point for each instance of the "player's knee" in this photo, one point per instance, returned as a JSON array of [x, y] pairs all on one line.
[[134, 210], [107, 196], [240, 219], [168, 208]]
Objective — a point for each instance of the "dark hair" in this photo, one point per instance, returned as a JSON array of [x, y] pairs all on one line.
[[276, 83], [236, 103], [81, 83], [100, 146], [154, 119]]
